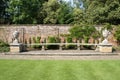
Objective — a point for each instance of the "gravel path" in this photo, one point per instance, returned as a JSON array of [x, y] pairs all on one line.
[[61, 55]]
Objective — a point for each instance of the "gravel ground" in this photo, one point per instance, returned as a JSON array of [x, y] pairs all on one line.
[[61, 55]]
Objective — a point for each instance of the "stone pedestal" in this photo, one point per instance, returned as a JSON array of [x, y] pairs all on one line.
[[18, 47], [105, 48]]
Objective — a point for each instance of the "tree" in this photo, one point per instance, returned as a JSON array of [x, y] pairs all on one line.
[[102, 11], [24, 11], [65, 13], [50, 11], [78, 16], [3, 13], [57, 12]]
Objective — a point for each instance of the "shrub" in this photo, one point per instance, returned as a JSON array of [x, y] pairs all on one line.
[[4, 47], [69, 40], [53, 40], [117, 34], [82, 31], [36, 40]]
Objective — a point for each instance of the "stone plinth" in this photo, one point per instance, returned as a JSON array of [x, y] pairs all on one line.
[[18, 47], [105, 48]]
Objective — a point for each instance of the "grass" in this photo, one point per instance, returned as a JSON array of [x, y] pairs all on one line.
[[59, 70]]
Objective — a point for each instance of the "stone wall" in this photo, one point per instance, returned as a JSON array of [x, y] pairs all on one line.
[[27, 32]]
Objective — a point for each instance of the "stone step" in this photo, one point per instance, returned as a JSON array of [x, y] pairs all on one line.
[[64, 53]]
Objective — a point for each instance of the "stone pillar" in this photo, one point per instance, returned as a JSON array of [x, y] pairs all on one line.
[[16, 47], [105, 48]]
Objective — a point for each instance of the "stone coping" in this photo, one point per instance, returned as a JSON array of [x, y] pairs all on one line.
[[69, 44], [15, 44]]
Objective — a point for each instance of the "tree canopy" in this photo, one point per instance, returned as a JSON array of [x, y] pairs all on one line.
[[59, 11], [102, 11]]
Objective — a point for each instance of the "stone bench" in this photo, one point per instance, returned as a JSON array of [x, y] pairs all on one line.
[[102, 48]]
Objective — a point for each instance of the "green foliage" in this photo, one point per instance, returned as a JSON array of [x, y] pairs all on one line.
[[117, 34], [77, 31], [24, 11], [3, 13], [60, 12], [88, 30], [78, 16], [107, 26], [36, 40], [69, 40], [102, 11], [82, 31], [56, 13], [50, 10], [53, 40], [96, 35], [4, 47], [64, 14]]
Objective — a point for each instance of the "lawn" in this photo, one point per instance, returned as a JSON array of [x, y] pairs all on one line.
[[59, 70]]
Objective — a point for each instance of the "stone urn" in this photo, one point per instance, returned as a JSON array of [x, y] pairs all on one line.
[[105, 46], [15, 46], [105, 34], [15, 36]]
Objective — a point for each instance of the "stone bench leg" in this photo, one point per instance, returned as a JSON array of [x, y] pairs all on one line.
[[60, 47], [78, 47]]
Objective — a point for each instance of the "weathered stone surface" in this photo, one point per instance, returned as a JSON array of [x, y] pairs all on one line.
[[27, 32], [105, 49], [16, 48]]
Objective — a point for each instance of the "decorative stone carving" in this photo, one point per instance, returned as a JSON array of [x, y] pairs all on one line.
[[16, 46], [15, 36], [105, 34], [105, 46]]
